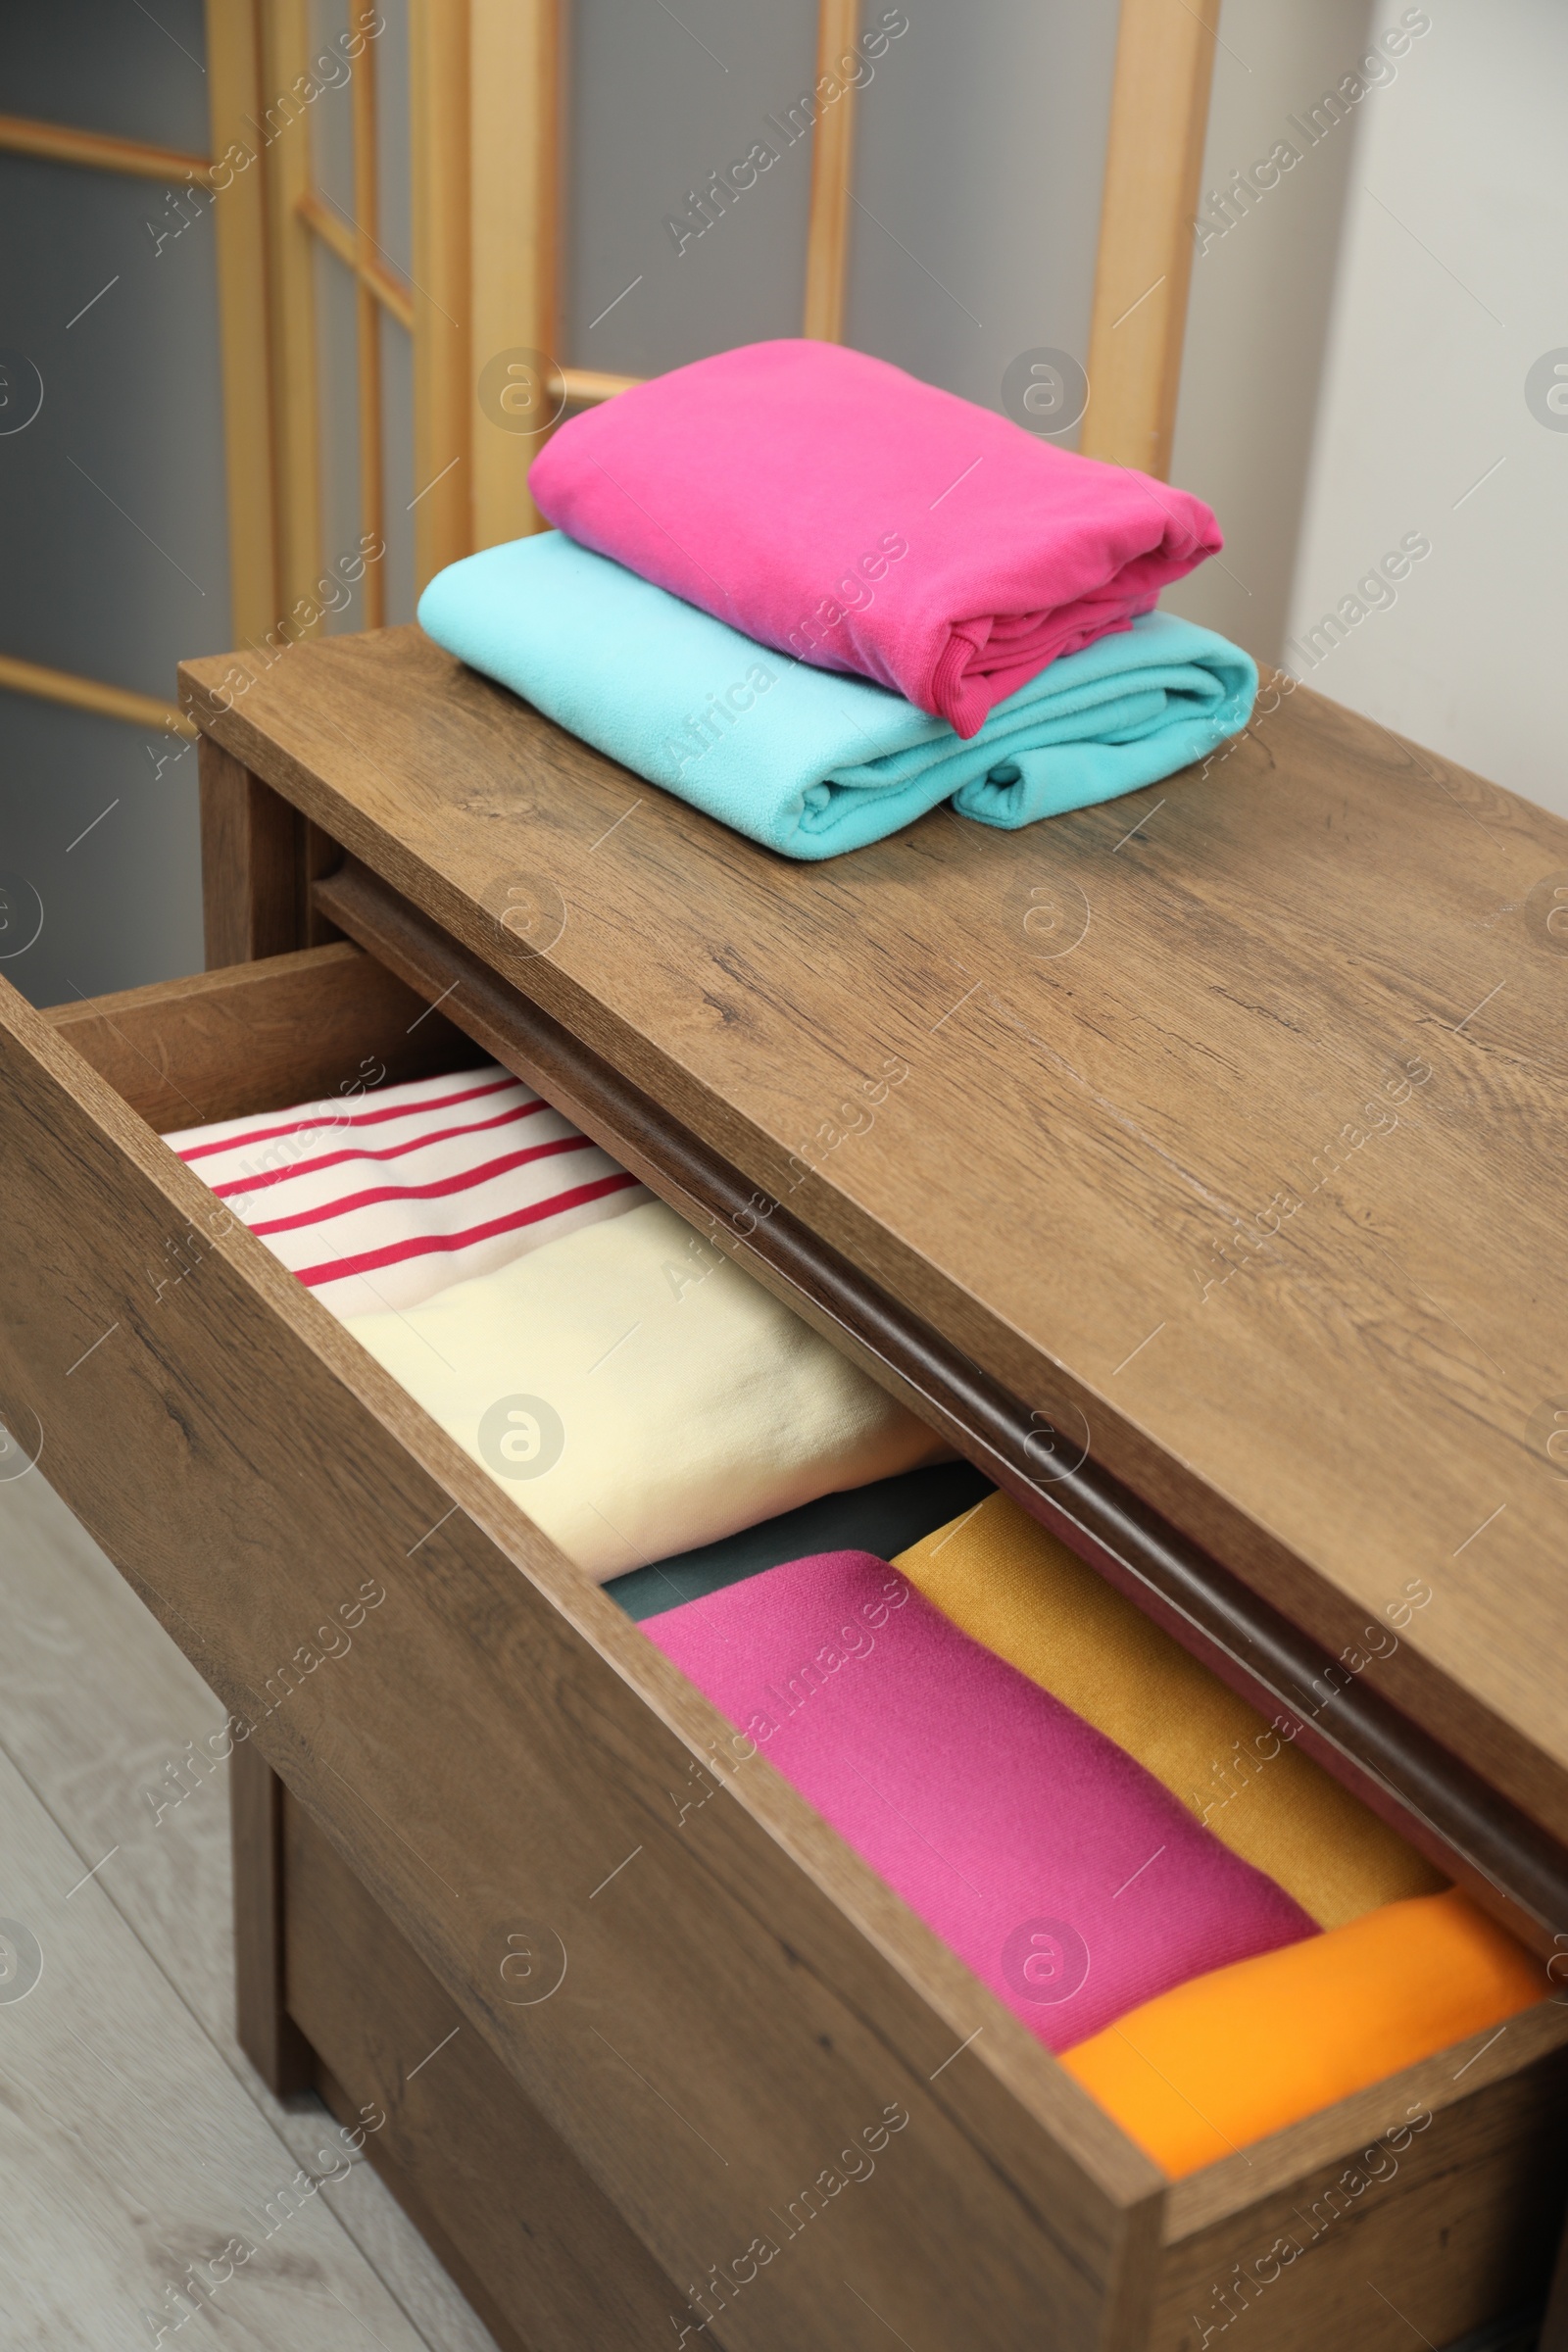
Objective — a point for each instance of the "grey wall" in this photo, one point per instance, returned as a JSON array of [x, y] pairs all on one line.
[[979, 156], [1363, 354], [111, 499], [655, 105]]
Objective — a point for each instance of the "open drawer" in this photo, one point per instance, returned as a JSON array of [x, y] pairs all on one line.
[[681, 2028]]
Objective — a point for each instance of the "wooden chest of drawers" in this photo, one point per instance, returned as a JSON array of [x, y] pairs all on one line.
[[1217, 1216]]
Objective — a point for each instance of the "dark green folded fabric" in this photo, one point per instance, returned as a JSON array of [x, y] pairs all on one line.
[[883, 1518]]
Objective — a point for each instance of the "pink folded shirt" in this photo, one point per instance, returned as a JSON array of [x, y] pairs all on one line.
[[382, 1198], [842, 510], [1071, 1881]]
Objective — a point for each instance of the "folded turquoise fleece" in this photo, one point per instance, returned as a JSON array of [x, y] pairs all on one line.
[[807, 761]]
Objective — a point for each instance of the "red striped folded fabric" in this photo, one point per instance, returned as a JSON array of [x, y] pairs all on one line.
[[382, 1201]]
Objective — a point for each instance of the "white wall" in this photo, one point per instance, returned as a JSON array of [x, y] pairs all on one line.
[[1453, 283], [1357, 352]]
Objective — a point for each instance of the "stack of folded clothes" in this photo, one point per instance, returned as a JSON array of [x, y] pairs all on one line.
[[1217, 1938], [636, 1392], [815, 598]]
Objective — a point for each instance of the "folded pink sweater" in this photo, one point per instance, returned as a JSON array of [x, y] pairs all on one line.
[[842, 510], [1071, 1881]]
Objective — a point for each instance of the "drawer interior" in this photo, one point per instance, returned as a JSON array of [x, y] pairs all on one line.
[[332, 1023], [1504, 1860], [494, 1738], [324, 1023]]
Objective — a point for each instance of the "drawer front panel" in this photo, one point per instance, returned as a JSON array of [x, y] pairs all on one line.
[[1438, 2218], [708, 2002], [500, 2185]]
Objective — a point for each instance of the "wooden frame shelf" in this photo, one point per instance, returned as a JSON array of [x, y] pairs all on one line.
[[485, 78]]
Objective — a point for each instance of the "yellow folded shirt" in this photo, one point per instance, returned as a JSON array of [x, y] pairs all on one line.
[[1009, 1584]]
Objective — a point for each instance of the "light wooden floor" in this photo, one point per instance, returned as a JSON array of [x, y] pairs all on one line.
[[134, 2137]]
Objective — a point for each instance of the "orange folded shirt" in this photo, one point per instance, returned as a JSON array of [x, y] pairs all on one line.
[[1406, 1966], [998, 1574], [1226, 2058]]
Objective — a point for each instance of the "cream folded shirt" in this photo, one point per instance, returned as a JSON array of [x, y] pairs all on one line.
[[639, 1395]]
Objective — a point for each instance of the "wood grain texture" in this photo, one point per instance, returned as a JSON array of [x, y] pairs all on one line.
[[514, 132], [498, 2184], [265, 2032], [105, 1718], [1462, 2238], [443, 394], [250, 860], [317, 855], [107, 1723], [253, 1037], [260, 861], [239, 231], [1153, 160], [827, 225], [747, 1993], [1508, 1864], [399, 2183], [1079, 1181], [1425, 2229], [1532, 2042]]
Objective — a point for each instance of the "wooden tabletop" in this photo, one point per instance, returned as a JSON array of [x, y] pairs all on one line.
[[1226, 1124]]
